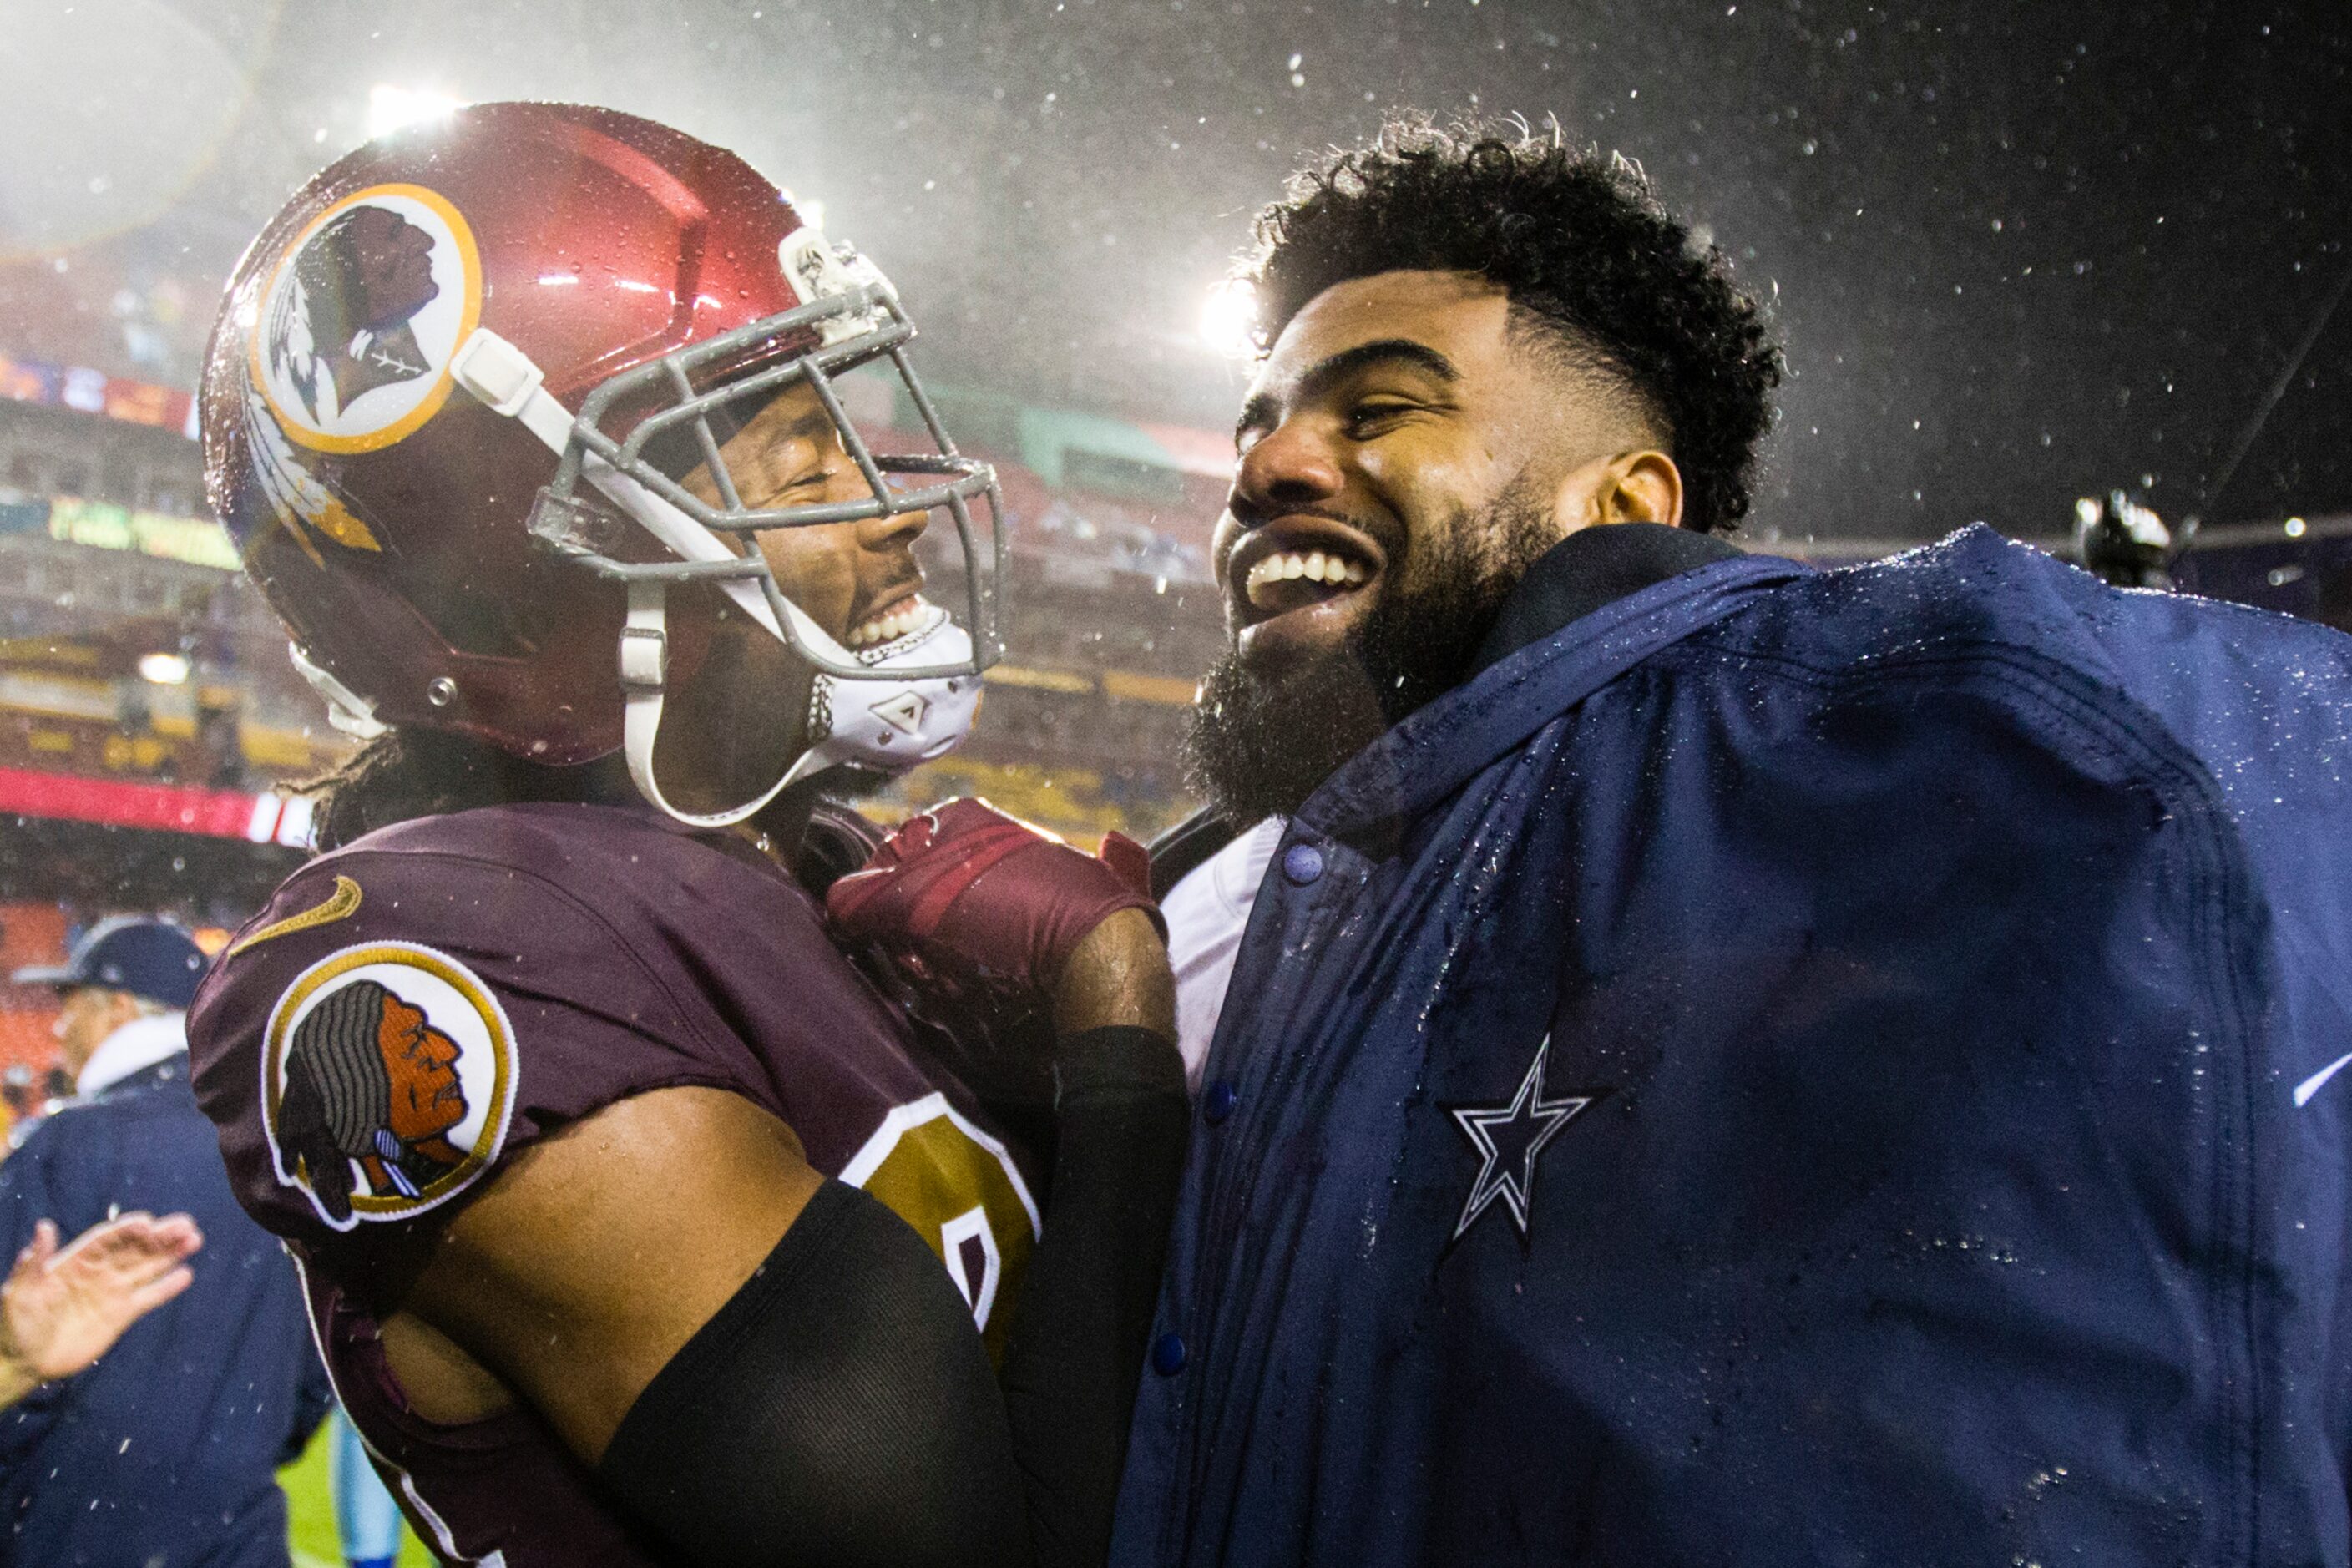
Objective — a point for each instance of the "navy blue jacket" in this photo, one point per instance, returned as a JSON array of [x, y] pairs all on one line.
[[176, 1433], [1822, 1068]]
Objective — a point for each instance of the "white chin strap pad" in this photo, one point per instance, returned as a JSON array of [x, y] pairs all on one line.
[[883, 725], [890, 725]]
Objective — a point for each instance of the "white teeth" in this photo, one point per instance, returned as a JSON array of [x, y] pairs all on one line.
[[914, 614], [1314, 565]]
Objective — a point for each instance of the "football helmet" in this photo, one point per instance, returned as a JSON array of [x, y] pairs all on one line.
[[452, 413]]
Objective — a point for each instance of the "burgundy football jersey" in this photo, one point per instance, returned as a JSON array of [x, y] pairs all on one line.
[[413, 1008]]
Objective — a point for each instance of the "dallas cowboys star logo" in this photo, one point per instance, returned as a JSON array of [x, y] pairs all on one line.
[[1508, 1138]]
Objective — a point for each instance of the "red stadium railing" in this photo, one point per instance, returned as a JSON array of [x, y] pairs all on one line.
[[267, 817]]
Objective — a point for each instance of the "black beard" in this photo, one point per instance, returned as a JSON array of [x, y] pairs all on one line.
[[1260, 743]]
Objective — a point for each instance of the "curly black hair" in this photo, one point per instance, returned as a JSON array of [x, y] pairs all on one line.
[[1584, 249]]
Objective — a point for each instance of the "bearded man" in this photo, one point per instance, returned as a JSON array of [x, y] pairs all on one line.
[[1728, 1064]]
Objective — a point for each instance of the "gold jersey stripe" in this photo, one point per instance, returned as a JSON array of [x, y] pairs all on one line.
[[342, 901]]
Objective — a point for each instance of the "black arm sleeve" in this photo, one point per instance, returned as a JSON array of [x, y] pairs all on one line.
[[1076, 1351], [839, 1408]]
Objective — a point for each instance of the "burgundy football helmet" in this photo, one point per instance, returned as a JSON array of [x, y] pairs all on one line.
[[447, 407]]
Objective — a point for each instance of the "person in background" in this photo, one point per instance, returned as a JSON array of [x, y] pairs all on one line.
[[61, 1310], [164, 1448], [367, 1516]]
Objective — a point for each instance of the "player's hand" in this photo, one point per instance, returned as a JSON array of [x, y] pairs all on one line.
[[964, 887], [61, 1310]]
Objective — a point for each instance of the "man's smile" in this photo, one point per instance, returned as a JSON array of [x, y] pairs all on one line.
[[1298, 579], [1263, 587], [904, 613]]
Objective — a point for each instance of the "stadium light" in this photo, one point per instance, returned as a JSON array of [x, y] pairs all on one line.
[[1227, 317], [392, 109], [163, 668]]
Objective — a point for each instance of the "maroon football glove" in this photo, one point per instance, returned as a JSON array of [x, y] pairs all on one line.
[[966, 883]]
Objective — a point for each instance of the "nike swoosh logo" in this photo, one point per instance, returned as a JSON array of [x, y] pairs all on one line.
[[342, 901], [2318, 1081]]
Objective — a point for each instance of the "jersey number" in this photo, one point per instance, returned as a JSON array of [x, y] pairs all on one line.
[[962, 1192]]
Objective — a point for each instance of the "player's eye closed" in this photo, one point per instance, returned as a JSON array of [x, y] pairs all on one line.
[[803, 472], [1374, 417]]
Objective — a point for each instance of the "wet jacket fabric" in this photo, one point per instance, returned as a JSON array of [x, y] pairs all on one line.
[[1791, 1067], [164, 1451]]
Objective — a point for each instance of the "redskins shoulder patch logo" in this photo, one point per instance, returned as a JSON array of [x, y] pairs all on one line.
[[361, 316], [387, 1080]]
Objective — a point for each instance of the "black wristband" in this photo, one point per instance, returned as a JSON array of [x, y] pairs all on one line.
[[1118, 1057]]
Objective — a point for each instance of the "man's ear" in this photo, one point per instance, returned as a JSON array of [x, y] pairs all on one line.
[[1641, 487]]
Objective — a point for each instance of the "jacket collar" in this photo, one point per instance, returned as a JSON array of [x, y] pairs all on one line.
[[140, 1044], [1436, 749], [1589, 570]]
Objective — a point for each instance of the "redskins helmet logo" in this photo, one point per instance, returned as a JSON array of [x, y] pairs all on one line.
[[387, 1081], [352, 349]]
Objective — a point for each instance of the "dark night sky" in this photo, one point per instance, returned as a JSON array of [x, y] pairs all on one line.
[[2019, 252]]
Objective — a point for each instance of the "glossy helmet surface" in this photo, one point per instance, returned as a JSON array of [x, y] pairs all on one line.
[[431, 409]]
